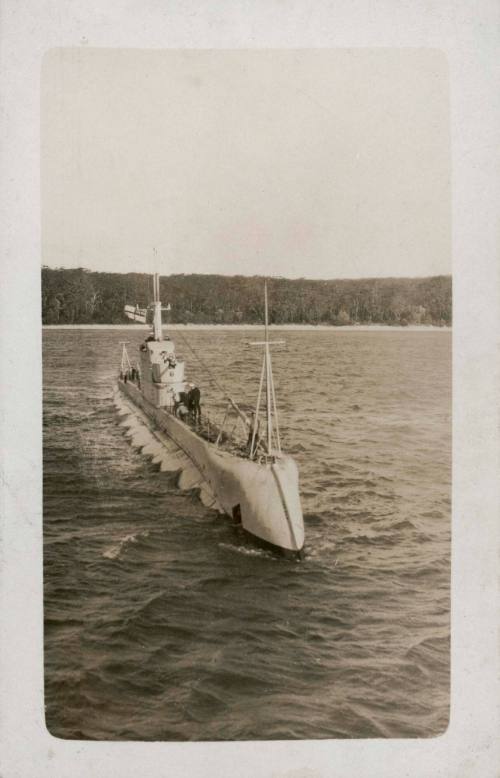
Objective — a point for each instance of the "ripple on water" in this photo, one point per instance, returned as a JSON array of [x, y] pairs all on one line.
[[163, 622]]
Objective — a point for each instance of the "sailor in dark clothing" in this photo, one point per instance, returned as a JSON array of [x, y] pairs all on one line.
[[181, 411], [193, 402], [180, 401]]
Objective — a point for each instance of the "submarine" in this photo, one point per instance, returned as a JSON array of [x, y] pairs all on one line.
[[249, 476]]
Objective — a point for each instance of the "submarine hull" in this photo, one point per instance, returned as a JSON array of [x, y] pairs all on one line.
[[262, 497]]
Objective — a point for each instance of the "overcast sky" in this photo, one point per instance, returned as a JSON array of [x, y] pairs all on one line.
[[314, 163]]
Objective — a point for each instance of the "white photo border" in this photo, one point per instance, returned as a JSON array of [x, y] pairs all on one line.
[[467, 34]]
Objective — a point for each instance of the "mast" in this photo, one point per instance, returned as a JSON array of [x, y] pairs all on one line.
[[268, 373], [272, 426], [125, 364], [157, 328]]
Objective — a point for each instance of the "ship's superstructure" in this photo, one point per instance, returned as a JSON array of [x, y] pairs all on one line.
[[251, 479]]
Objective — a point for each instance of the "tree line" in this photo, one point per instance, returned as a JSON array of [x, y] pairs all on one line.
[[80, 296]]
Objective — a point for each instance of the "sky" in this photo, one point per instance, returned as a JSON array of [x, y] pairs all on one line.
[[326, 163]]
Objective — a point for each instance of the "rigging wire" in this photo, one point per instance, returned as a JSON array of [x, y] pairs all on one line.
[[242, 415], [204, 365]]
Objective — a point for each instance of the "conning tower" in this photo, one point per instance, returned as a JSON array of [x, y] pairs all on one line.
[[162, 373]]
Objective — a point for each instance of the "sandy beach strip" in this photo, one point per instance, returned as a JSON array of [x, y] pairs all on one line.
[[236, 327]]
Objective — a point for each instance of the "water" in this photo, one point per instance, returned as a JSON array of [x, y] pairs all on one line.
[[163, 623]]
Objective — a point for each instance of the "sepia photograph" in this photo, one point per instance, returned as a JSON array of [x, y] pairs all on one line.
[[246, 303], [249, 382]]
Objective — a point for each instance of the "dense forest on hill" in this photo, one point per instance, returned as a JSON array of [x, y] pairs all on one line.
[[82, 296]]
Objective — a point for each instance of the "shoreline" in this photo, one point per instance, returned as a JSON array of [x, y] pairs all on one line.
[[239, 327]]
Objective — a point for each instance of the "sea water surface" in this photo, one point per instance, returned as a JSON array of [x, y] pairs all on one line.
[[162, 622]]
